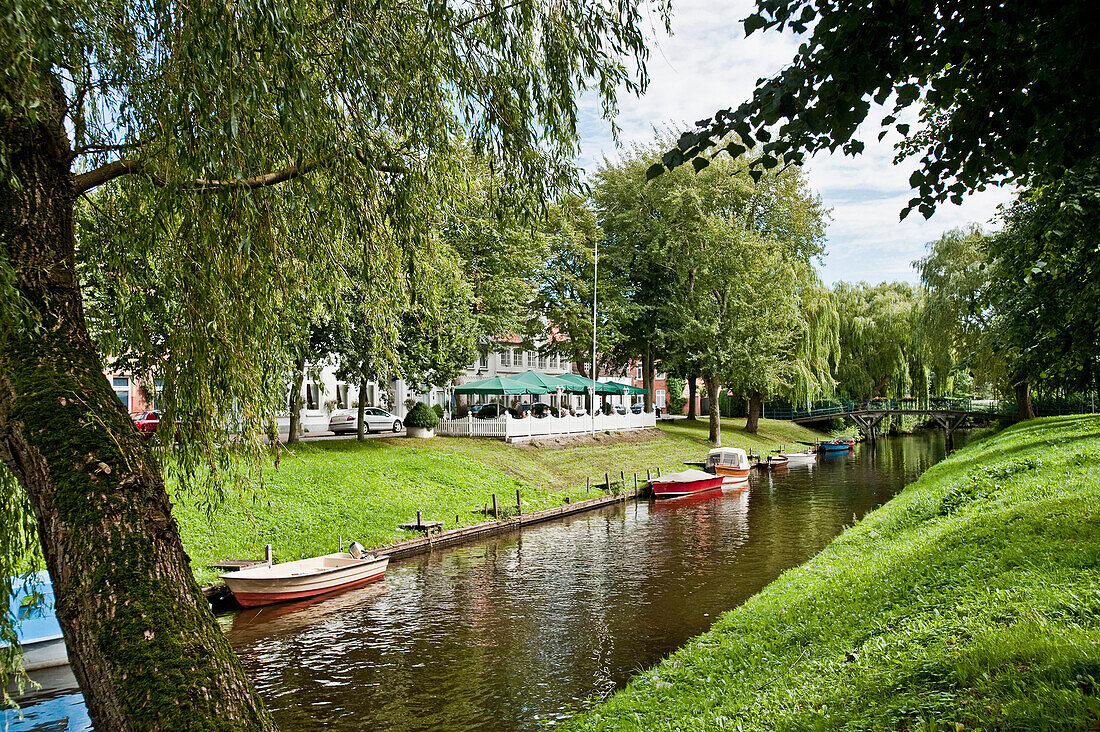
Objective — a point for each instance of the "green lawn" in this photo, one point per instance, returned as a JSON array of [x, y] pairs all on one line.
[[342, 489], [969, 601]]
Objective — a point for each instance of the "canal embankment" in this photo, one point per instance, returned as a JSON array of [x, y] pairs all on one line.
[[324, 494], [969, 601]]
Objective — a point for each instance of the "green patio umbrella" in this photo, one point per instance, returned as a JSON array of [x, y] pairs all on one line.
[[628, 388], [496, 385], [537, 380], [579, 385]]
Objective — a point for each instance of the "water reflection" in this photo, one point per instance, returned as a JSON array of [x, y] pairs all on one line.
[[513, 631]]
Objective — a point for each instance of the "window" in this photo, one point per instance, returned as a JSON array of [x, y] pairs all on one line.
[[506, 358], [158, 390], [555, 361], [566, 365], [312, 395], [122, 390], [483, 361], [341, 396], [542, 363], [660, 400], [640, 373]]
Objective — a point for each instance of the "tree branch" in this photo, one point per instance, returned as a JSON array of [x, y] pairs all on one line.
[[128, 166]]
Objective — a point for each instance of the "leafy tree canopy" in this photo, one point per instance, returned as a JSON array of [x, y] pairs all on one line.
[[1005, 91]]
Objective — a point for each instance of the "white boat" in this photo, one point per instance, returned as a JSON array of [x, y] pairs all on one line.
[[800, 458], [268, 583], [36, 626]]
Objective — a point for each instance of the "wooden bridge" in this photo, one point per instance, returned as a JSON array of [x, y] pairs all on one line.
[[950, 414]]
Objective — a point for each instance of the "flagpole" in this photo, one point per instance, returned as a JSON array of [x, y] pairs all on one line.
[[595, 273]]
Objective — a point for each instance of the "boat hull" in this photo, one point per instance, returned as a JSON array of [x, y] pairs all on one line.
[[738, 473], [835, 446], [675, 489], [267, 588], [800, 458]]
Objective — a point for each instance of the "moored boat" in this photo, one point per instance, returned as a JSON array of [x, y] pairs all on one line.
[[774, 462], [268, 583], [838, 445], [728, 461], [684, 483], [800, 458], [36, 628]]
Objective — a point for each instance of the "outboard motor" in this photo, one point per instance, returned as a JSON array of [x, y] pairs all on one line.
[[356, 550]]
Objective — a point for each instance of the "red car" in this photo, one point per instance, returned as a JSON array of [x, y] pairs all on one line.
[[146, 423]]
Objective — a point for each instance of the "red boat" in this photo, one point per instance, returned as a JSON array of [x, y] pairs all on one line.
[[685, 483]]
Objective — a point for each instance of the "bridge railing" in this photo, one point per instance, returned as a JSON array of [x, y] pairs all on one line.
[[917, 404]]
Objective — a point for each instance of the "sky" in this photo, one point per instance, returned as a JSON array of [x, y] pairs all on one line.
[[707, 64]]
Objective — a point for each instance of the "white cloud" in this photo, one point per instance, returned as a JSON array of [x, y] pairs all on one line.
[[707, 65]]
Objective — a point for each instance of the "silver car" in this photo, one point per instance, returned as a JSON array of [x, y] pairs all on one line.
[[377, 420]]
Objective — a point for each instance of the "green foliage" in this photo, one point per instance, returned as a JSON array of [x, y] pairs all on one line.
[[675, 394], [1018, 104], [956, 321], [717, 270], [421, 415], [880, 354], [1045, 282], [969, 601], [438, 410]]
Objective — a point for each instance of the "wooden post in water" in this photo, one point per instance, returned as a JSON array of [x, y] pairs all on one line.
[[496, 513], [519, 504]]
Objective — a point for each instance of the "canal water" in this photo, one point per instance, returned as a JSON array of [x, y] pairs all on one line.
[[514, 632]]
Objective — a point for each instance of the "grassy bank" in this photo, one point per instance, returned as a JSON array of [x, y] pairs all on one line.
[[325, 491], [970, 601]]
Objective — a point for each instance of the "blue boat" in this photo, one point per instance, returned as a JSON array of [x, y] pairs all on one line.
[[36, 626], [841, 445]]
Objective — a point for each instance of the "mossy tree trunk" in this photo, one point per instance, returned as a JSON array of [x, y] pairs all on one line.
[[756, 403], [142, 641], [711, 382]]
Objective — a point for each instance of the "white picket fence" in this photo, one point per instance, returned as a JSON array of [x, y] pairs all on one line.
[[509, 428]]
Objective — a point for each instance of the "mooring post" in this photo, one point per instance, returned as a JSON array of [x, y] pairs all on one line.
[[607, 482], [419, 523], [496, 514], [519, 504], [587, 484], [648, 474], [268, 555], [622, 479], [456, 519], [658, 472], [635, 482]]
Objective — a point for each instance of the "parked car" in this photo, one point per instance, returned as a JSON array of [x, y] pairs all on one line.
[[488, 411], [639, 406], [146, 422], [538, 410], [375, 419]]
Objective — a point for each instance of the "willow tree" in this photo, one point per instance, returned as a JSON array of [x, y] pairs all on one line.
[[880, 350], [957, 323], [233, 123]]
